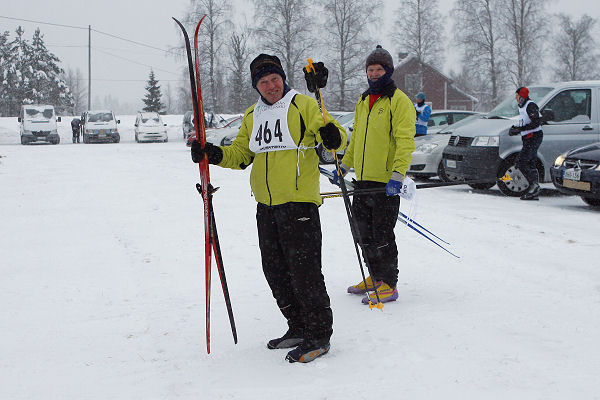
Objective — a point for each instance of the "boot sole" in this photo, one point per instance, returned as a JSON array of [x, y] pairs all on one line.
[[310, 356], [285, 344]]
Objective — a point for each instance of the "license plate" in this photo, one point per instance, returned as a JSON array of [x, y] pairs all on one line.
[[451, 163], [576, 185], [572, 174]]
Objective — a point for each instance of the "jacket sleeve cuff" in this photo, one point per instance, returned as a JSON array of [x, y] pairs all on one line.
[[397, 176]]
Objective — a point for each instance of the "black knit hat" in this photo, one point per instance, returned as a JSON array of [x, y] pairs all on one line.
[[263, 65], [380, 56]]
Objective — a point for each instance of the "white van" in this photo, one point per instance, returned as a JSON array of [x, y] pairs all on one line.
[[100, 126], [37, 123]]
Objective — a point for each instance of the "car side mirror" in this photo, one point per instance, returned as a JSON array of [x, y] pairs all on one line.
[[118, 121], [58, 119], [136, 124], [547, 115], [165, 124], [18, 119]]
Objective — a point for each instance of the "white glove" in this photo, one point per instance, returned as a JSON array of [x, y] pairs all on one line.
[[409, 188]]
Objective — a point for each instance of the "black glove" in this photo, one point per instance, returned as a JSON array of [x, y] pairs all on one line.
[[317, 79], [514, 131], [330, 134], [215, 154]]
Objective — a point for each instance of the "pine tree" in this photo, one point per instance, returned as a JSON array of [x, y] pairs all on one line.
[[30, 74], [3, 73], [48, 86], [153, 95]]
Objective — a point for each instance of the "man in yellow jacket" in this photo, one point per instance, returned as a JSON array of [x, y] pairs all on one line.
[[278, 136], [380, 153]]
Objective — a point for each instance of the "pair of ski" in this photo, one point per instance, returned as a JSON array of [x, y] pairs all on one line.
[[411, 223], [206, 190]]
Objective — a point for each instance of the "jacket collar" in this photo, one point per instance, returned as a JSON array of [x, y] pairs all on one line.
[[387, 91]]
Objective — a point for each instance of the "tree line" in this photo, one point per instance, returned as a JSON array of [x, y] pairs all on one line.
[[30, 74], [501, 44]]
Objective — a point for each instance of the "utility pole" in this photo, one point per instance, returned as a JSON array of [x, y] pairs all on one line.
[[89, 67]]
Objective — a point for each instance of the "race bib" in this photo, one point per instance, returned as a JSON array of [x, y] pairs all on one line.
[[270, 130]]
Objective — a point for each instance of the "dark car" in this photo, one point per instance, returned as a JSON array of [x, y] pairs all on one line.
[[577, 172]]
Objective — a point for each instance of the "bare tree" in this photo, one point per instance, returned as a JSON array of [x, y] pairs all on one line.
[[347, 33], [239, 55], [285, 30], [211, 38], [77, 85], [574, 48], [524, 26], [477, 38], [418, 30]]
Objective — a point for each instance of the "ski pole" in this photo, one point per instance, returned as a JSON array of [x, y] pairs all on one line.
[[353, 225]]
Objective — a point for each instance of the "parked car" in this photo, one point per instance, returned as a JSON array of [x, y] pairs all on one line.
[[37, 123], [216, 135], [187, 126], [440, 119], [149, 127], [577, 172], [427, 157], [100, 126], [483, 150], [226, 135]]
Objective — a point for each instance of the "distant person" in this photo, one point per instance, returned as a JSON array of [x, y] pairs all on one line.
[[75, 127], [530, 129], [423, 113]]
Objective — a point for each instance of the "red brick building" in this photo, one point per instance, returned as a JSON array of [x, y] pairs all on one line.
[[438, 88]]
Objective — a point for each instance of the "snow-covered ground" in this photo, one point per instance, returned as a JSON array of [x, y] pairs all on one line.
[[102, 288]]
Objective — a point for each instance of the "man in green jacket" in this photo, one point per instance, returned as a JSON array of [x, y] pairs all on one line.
[[278, 136], [380, 153]]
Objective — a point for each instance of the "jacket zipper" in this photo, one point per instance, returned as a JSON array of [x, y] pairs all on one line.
[[267, 177], [362, 167]]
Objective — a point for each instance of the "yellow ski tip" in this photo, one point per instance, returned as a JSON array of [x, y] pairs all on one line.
[[377, 305]]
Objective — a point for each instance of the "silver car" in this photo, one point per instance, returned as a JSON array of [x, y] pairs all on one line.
[[427, 157]]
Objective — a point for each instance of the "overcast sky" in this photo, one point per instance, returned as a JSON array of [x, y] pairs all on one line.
[[150, 22]]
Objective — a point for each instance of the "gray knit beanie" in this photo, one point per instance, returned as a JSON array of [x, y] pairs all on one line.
[[380, 56]]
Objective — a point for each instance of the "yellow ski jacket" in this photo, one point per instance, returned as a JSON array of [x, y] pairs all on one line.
[[284, 176], [383, 137]]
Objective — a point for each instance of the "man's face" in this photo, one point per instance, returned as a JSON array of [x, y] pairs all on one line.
[[518, 98], [375, 72], [271, 87]]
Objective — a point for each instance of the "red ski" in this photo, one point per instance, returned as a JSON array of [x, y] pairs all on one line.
[[211, 238]]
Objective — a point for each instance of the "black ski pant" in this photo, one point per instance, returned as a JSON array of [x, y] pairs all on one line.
[[527, 156], [376, 215], [289, 237]]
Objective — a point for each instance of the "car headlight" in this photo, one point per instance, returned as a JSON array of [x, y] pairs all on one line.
[[426, 148], [490, 141], [560, 159], [114, 131]]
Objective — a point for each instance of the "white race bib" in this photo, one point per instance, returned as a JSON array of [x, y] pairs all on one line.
[[270, 131]]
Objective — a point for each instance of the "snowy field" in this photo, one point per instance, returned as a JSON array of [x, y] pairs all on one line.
[[102, 288]]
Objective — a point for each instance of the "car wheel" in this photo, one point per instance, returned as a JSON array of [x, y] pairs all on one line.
[[447, 176], [166, 140], [23, 140], [137, 140], [325, 156], [591, 202], [117, 139], [517, 184]]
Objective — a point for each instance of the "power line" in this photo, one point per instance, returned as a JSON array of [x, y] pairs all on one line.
[[44, 23], [86, 28], [135, 62]]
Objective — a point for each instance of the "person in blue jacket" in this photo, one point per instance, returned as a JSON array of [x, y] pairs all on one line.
[[423, 113]]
